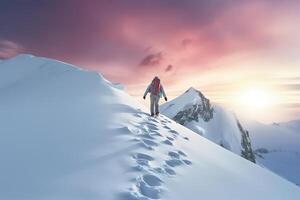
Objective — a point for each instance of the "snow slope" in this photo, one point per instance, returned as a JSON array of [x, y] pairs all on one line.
[[193, 110], [277, 147], [70, 134]]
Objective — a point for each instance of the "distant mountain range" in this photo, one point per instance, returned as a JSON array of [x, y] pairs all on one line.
[[277, 147]]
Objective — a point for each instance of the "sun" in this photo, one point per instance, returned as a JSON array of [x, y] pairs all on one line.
[[255, 98], [256, 101]]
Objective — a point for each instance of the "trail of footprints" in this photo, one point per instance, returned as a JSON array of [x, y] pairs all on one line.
[[148, 184]]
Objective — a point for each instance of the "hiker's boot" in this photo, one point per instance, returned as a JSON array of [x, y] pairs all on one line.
[[152, 114], [157, 113]]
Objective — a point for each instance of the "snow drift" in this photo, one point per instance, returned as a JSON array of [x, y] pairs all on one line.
[[70, 134], [193, 110]]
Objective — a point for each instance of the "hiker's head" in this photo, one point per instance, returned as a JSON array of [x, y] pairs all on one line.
[[155, 78]]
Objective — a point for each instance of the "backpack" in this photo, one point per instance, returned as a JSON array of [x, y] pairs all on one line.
[[155, 86]]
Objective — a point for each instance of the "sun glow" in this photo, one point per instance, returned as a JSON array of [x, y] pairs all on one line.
[[259, 102], [255, 98]]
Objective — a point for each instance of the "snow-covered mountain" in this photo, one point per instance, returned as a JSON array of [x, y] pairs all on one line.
[[277, 147], [67, 133], [193, 110]]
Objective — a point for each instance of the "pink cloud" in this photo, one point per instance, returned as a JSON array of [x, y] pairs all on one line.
[[152, 59]]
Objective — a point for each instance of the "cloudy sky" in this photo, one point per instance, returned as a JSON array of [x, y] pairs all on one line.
[[241, 54]]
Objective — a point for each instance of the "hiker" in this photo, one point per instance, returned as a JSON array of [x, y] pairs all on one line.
[[156, 91]]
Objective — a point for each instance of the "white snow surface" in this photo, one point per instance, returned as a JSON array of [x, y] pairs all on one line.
[[67, 133], [221, 129], [282, 142]]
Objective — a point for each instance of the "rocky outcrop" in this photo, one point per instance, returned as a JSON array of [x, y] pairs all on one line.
[[247, 151], [193, 112], [198, 108]]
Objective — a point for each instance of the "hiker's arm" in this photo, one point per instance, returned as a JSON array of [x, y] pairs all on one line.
[[147, 91], [163, 92]]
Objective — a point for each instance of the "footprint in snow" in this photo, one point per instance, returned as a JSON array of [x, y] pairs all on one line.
[[176, 159], [153, 127], [174, 154], [166, 127], [149, 186], [137, 115], [168, 121], [188, 162], [142, 160], [143, 128], [169, 171], [148, 191], [153, 119], [182, 153], [158, 170], [174, 162], [173, 131], [170, 138], [144, 145], [135, 130], [152, 180], [147, 136], [164, 119], [168, 142], [149, 125], [149, 142], [142, 156], [163, 123], [155, 133]]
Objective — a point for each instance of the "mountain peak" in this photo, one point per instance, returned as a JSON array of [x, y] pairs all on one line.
[[194, 93], [191, 89]]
